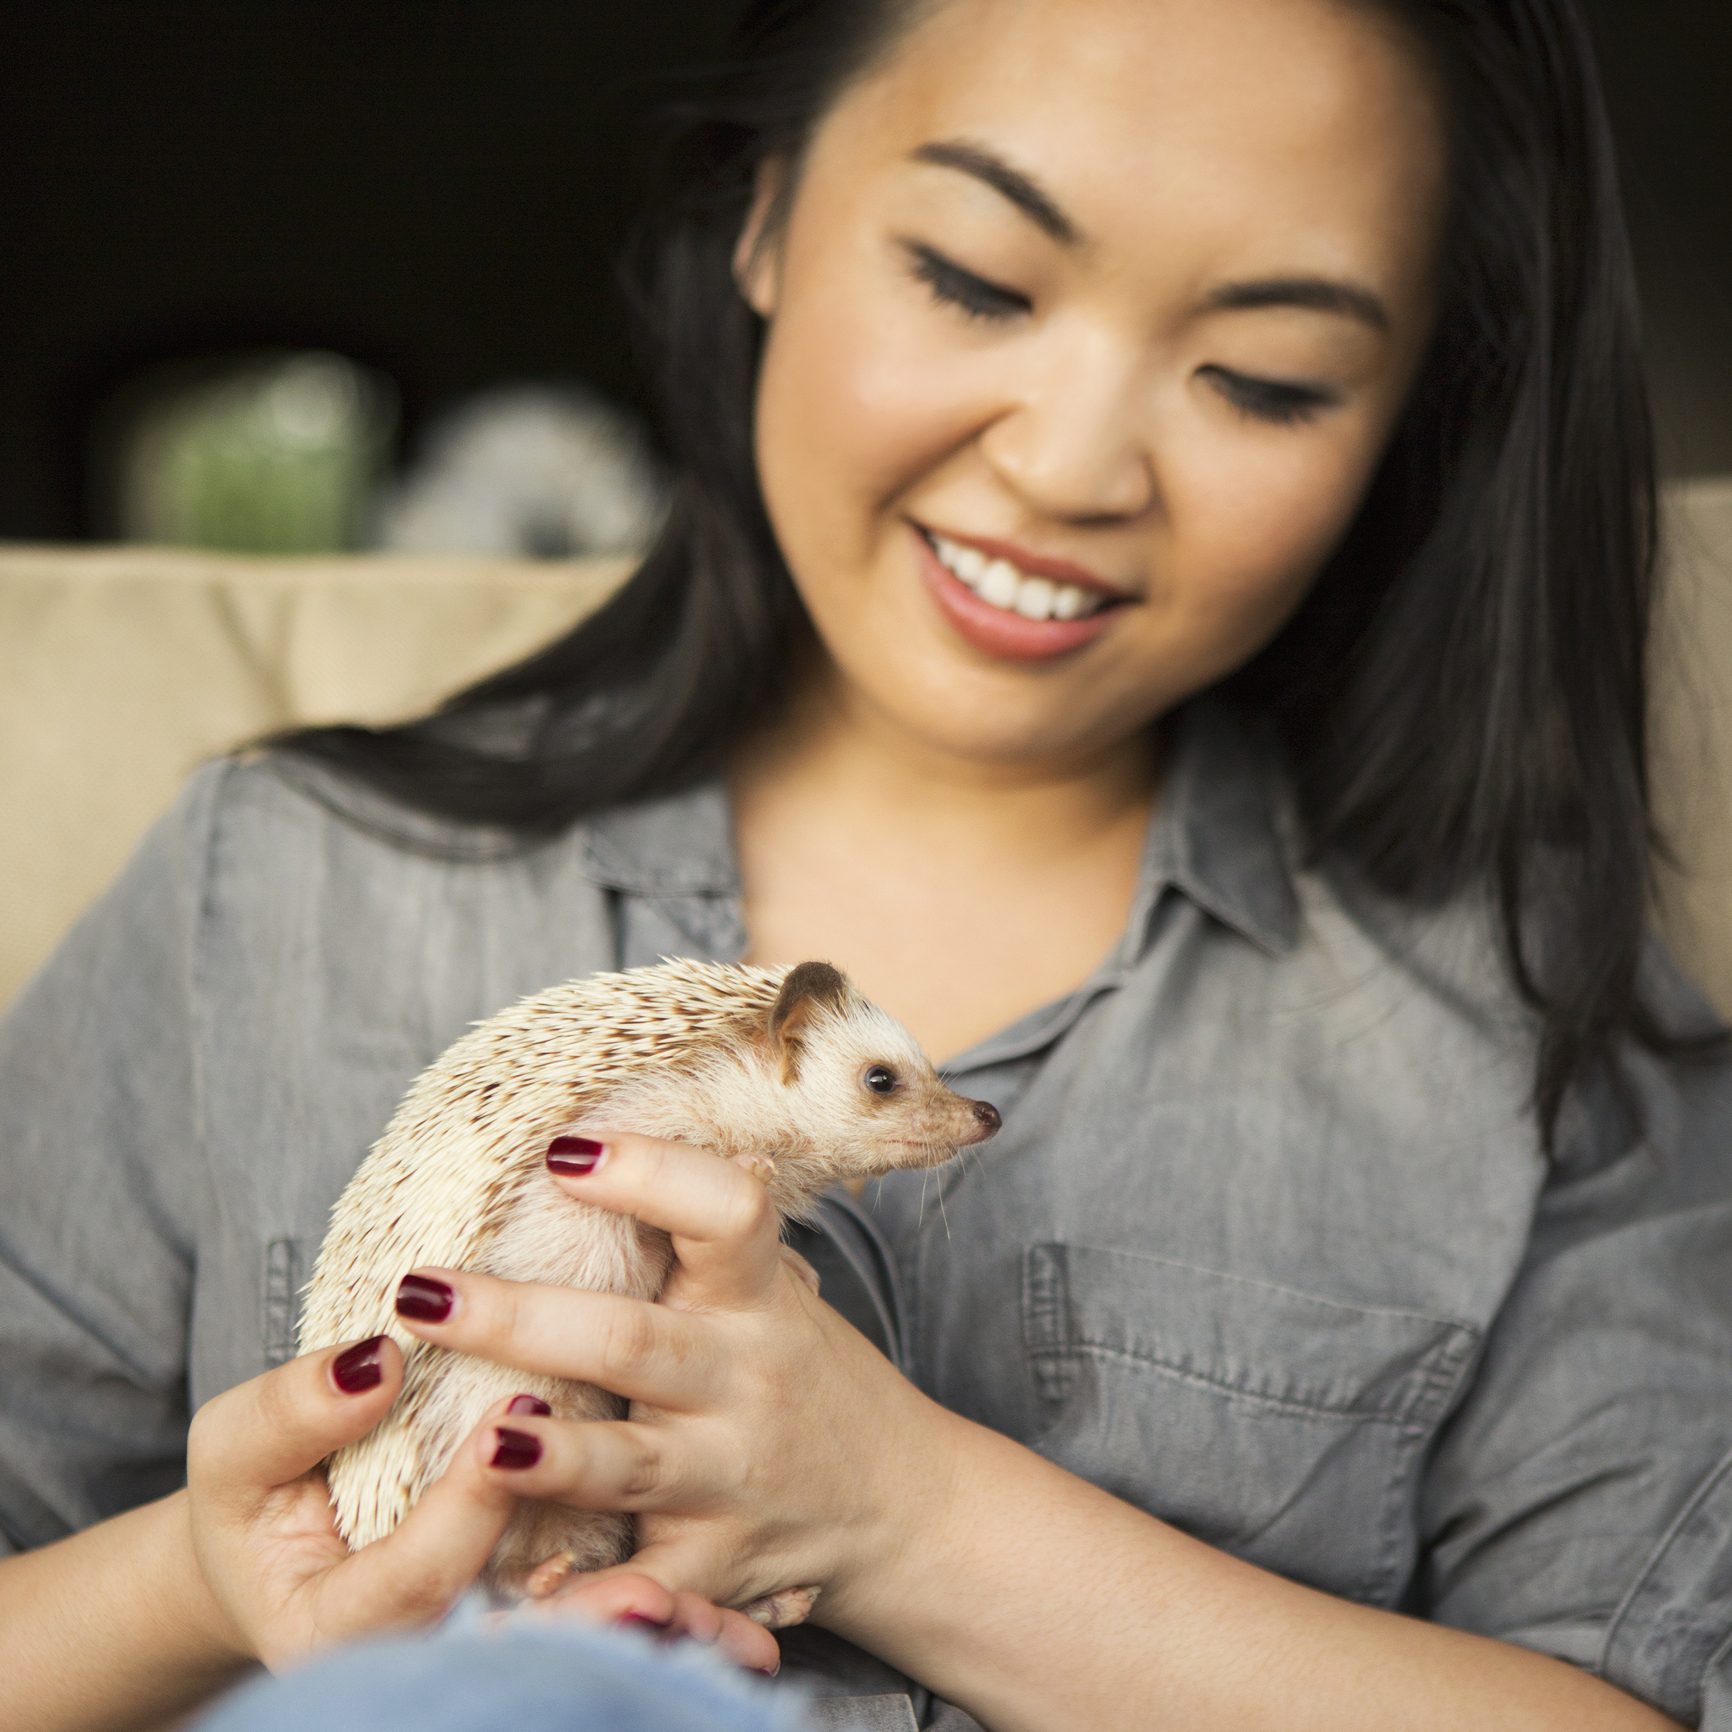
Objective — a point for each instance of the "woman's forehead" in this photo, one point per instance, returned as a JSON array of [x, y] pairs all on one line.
[[1308, 122], [1318, 55]]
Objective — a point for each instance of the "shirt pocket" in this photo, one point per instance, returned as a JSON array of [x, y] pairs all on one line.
[[1282, 1426]]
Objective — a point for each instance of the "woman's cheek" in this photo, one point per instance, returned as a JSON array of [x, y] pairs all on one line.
[[853, 412], [1272, 503], [1246, 553], [907, 402]]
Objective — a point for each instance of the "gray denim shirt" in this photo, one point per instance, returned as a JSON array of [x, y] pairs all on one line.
[[1266, 1247]]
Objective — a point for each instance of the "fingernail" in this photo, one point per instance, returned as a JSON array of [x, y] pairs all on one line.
[[628, 1618], [357, 1368], [529, 1404], [769, 1671], [515, 1448], [423, 1298], [571, 1155]]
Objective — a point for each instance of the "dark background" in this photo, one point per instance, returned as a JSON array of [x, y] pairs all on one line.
[[437, 190]]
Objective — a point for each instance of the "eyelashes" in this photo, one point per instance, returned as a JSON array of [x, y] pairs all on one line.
[[952, 286], [1267, 401], [982, 302]]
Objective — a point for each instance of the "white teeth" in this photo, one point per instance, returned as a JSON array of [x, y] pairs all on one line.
[[999, 582], [1034, 598]]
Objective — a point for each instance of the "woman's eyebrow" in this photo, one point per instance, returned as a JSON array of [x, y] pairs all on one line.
[[1020, 188], [1316, 294]]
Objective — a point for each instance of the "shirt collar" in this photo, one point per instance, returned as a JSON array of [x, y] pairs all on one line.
[[675, 844], [1215, 834], [1218, 830]]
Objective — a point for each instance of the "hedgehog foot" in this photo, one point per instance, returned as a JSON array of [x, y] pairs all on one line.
[[780, 1610], [550, 1575], [547, 1544]]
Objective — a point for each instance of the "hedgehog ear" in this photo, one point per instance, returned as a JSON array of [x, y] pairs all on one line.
[[808, 987]]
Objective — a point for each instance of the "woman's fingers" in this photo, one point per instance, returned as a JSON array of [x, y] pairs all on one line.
[[281, 1424], [623, 1596], [618, 1595], [602, 1464], [742, 1641], [636, 1348], [267, 1536], [418, 1570], [725, 1229]]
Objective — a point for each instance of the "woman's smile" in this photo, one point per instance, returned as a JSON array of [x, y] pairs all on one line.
[[1007, 613]]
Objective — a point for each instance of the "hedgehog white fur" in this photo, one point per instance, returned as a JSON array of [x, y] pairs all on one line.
[[791, 1063]]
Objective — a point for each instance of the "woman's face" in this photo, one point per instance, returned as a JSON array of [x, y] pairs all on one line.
[[1089, 387]]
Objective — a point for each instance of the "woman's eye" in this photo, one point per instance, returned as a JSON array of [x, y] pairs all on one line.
[[880, 1079], [1264, 400], [973, 296], [977, 299]]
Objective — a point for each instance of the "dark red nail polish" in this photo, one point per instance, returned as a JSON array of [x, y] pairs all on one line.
[[529, 1404], [627, 1619], [357, 1368], [423, 1298], [769, 1671], [515, 1448], [574, 1154]]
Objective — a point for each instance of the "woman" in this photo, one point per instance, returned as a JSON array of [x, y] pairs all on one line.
[[1335, 1332]]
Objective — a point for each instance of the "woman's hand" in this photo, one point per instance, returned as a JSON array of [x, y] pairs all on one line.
[[283, 1580], [262, 1524], [768, 1446]]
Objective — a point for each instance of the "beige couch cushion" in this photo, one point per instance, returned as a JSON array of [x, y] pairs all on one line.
[[121, 667], [1692, 750]]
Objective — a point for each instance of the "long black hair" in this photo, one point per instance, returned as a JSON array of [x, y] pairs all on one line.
[[1462, 695]]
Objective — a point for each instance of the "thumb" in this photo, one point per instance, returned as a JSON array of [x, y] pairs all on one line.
[[422, 1565], [278, 1426]]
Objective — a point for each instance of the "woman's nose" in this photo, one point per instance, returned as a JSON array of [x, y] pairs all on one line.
[[1075, 446]]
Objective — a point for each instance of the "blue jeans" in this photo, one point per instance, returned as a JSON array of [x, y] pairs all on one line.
[[522, 1676]]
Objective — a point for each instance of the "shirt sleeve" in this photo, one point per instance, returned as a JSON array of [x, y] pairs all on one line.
[[100, 1138], [1579, 1502]]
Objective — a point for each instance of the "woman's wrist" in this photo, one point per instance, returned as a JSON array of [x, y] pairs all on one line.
[[113, 1627], [214, 1638], [920, 1472]]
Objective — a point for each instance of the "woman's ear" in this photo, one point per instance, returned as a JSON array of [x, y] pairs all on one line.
[[756, 278]]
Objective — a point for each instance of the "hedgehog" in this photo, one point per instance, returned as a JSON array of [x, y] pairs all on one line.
[[788, 1066]]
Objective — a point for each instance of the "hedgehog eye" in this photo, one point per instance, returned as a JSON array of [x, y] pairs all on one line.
[[880, 1079]]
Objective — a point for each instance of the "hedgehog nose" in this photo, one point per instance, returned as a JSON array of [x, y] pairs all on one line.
[[987, 1113]]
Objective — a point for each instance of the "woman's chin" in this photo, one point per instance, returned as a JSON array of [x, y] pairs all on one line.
[[939, 691], [972, 732]]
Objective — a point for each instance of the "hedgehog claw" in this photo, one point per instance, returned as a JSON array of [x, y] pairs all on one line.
[[549, 1576], [780, 1610], [761, 1167]]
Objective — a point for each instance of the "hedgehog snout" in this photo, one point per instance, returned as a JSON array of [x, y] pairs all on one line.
[[966, 1122], [935, 1132]]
